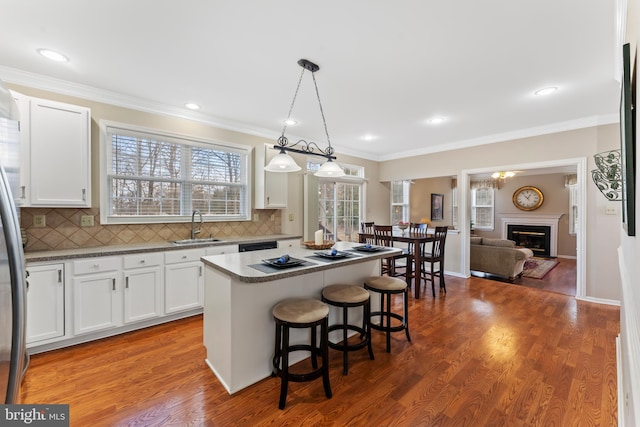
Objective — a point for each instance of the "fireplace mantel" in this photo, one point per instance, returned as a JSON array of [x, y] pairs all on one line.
[[549, 220]]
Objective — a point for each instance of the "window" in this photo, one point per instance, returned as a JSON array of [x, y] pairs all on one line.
[[399, 201], [573, 209], [454, 203], [482, 208], [340, 203], [154, 177]]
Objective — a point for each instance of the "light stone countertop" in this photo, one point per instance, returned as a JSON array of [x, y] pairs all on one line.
[[57, 255], [239, 265]]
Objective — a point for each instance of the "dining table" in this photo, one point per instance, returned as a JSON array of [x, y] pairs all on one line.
[[416, 240]]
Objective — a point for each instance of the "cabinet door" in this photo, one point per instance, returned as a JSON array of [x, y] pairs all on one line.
[[23, 198], [271, 187], [184, 287], [142, 294], [45, 302], [95, 302], [60, 162]]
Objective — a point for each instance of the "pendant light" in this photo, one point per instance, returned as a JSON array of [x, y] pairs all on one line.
[[283, 162]]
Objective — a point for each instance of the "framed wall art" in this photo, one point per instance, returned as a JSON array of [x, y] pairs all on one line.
[[628, 145], [437, 201]]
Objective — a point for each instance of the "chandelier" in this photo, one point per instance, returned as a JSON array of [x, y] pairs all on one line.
[[283, 162]]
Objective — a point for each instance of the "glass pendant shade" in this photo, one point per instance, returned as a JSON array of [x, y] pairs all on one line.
[[330, 169], [282, 162]]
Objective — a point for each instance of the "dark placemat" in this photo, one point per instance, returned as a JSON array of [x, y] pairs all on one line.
[[266, 268], [328, 259], [370, 252]]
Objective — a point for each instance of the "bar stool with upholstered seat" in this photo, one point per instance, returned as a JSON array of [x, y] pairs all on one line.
[[346, 296], [301, 313], [387, 287]]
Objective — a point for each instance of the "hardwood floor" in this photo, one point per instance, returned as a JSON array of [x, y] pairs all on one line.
[[486, 353]]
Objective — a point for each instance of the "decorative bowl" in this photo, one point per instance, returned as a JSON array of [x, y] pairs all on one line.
[[327, 244]]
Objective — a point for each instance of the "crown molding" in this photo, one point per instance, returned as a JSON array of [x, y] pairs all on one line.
[[63, 87], [509, 136]]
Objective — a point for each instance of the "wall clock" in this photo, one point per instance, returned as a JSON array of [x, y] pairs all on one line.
[[528, 198]]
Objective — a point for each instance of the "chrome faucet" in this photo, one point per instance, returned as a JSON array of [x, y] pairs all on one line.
[[193, 224]]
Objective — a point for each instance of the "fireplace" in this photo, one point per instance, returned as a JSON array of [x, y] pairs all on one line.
[[535, 237], [528, 219]]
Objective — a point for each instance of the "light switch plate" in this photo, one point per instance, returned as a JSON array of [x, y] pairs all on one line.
[[39, 220], [86, 221]]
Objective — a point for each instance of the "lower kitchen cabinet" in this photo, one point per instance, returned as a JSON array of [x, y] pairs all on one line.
[[45, 302], [143, 283], [184, 280], [96, 295]]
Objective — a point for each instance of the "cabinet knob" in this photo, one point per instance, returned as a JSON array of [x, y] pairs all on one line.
[[142, 261], [96, 265], [184, 257]]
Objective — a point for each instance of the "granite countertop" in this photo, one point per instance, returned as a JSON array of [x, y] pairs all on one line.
[[249, 267], [56, 255]]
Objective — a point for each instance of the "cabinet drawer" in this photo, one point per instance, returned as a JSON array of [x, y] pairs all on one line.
[[142, 260], [224, 249], [96, 265], [188, 255]]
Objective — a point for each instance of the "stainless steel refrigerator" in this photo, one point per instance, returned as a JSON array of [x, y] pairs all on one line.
[[13, 356]]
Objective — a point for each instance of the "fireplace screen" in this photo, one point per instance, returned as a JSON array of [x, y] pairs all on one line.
[[535, 237]]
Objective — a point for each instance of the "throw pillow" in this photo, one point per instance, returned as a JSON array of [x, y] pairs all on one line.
[[499, 242]]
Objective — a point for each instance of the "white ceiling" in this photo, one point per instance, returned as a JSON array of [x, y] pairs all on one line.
[[385, 67]]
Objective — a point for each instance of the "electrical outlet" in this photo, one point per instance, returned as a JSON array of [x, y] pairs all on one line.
[[290, 217], [610, 210], [39, 220], [273, 217], [256, 217], [86, 221]]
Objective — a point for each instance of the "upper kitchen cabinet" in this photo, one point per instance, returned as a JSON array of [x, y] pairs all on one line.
[[271, 187], [56, 153]]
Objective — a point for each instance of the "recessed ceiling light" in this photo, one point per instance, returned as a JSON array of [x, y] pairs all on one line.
[[545, 91], [290, 122], [436, 120], [53, 55], [192, 106], [368, 137]]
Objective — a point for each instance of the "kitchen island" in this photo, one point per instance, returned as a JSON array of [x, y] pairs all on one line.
[[240, 290]]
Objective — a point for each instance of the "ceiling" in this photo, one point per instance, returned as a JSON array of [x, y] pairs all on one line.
[[386, 68]]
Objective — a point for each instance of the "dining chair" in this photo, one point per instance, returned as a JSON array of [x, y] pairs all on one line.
[[383, 235], [436, 256], [367, 228]]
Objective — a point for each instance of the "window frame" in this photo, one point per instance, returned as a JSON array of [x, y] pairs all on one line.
[[109, 127], [356, 176], [474, 205], [405, 205], [574, 215]]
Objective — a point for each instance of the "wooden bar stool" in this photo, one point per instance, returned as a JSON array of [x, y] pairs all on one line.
[[387, 286], [346, 296], [301, 313]]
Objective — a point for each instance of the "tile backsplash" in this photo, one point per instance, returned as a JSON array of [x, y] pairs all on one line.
[[62, 229]]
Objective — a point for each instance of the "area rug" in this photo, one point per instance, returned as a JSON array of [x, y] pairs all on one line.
[[537, 268]]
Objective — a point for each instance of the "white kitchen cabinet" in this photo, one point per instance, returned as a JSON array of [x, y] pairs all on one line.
[[143, 284], [289, 243], [45, 302], [23, 196], [97, 303], [183, 280], [270, 187], [55, 153], [219, 250]]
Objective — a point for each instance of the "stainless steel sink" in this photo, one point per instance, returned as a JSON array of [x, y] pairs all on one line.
[[195, 241]]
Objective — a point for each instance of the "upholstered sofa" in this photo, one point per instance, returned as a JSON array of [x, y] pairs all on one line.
[[498, 257]]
